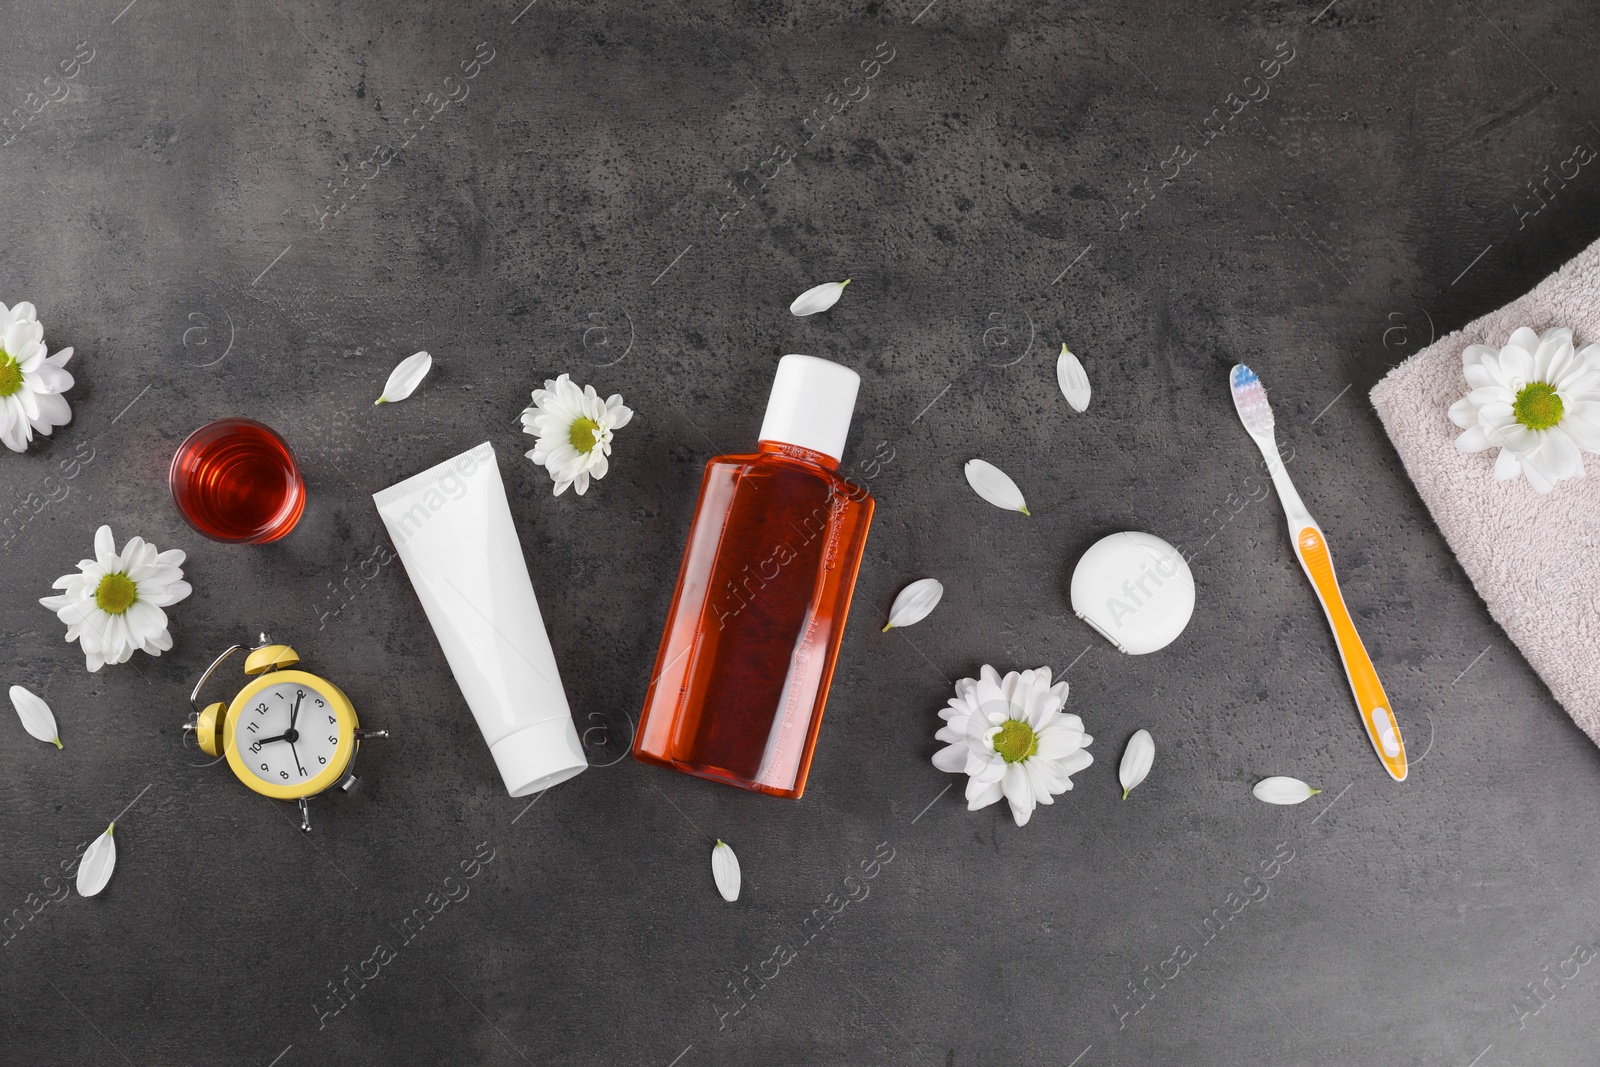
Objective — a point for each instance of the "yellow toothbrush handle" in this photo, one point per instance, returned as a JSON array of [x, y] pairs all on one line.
[[1371, 700]]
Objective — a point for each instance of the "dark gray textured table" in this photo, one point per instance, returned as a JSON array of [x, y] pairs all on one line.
[[183, 218]]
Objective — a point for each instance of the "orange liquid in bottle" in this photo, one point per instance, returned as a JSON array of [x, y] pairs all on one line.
[[755, 625]]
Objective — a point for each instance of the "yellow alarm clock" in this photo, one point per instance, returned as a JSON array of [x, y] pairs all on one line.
[[288, 734]]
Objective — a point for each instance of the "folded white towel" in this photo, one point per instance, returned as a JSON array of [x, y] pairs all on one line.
[[1534, 558]]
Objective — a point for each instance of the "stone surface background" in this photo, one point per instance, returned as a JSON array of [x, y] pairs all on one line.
[[209, 218]]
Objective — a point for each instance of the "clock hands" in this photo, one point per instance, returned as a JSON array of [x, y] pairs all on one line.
[[293, 735], [290, 735]]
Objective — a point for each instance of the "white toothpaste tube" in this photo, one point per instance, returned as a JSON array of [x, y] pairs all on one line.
[[452, 528]]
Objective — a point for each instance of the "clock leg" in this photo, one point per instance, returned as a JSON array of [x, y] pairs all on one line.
[[305, 815]]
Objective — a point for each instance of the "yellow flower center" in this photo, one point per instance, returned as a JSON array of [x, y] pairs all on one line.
[[582, 434], [1016, 741], [115, 594], [1538, 406], [10, 374]]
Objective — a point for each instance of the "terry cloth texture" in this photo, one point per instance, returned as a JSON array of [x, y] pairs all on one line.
[[1534, 558]]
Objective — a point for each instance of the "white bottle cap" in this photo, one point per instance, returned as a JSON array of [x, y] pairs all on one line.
[[539, 756], [811, 404]]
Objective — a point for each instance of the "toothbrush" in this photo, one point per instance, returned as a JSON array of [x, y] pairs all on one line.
[[1250, 399]]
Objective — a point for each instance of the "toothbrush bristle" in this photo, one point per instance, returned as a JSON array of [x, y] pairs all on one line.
[[1250, 400]]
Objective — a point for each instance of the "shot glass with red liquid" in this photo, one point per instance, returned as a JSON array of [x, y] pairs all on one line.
[[235, 480]]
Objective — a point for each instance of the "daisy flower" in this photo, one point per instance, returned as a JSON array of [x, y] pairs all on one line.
[[1009, 736], [1538, 400], [31, 382], [574, 430], [113, 604]]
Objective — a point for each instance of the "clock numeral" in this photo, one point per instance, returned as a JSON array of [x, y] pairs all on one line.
[[332, 721], [261, 709], [332, 740], [284, 775], [254, 727], [320, 704], [265, 767], [322, 759]]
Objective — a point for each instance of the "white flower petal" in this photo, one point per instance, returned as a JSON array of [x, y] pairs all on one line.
[[50, 379], [1560, 454], [995, 486], [1058, 742], [982, 794], [94, 870], [1281, 790], [1473, 439], [1076, 761], [405, 378], [1136, 760], [1019, 793], [1072, 379], [984, 764], [818, 298], [914, 602], [1583, 425], [951, 759], [1464, 413], [725, 870], [105, 547], [35, 716]]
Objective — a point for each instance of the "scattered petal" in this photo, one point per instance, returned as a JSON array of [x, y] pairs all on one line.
[[995, 486], [35, 716], [94, 870], [1072, 379], [725, 869], [405, 378], [1136, 760], [1280, 790], [818, 298], [914, 603]]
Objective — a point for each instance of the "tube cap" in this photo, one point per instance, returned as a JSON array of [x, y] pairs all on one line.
[[811, 404], [539, 756]]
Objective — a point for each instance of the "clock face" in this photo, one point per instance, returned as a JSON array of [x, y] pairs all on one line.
[[287, 734]]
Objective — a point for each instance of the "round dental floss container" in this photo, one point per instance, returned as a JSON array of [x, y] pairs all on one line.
[[1135, 589]]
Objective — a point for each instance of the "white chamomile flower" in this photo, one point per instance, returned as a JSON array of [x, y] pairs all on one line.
[[1538, 400], [1010, 737], [113, 604], [574, 430], [31, 382]]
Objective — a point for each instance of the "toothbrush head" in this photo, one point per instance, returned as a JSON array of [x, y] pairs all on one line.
[[1250, 400]]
